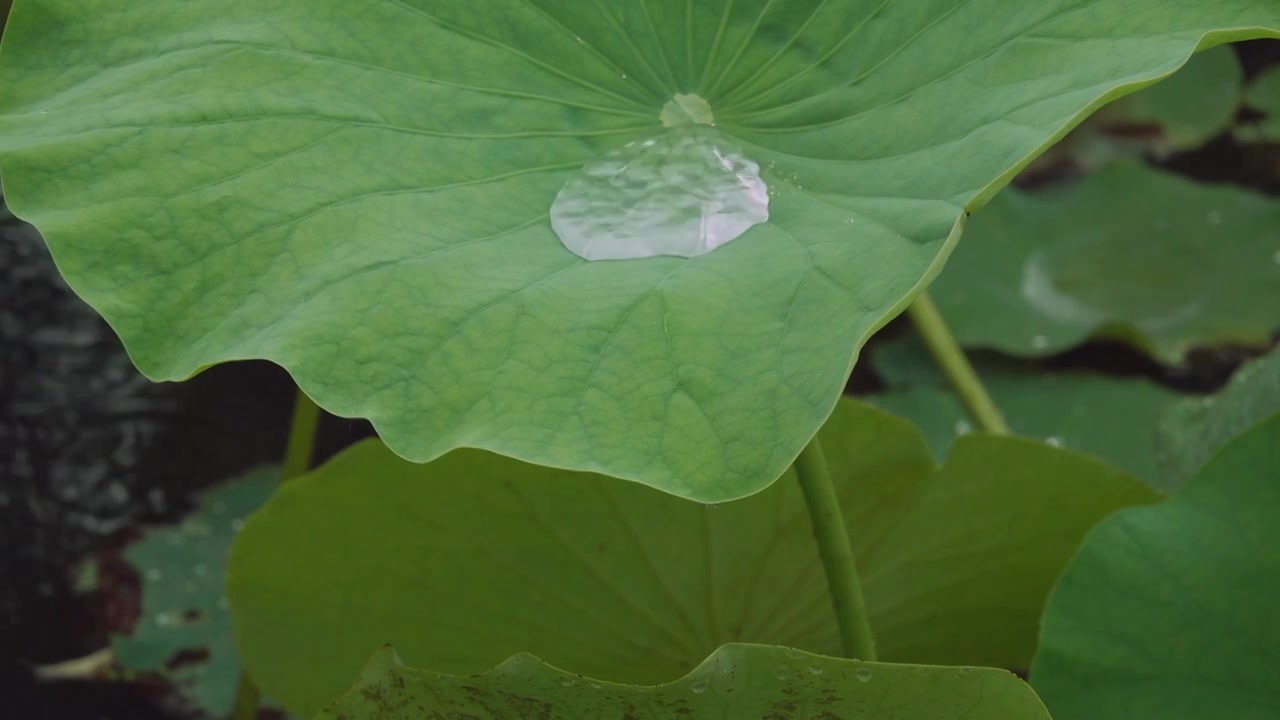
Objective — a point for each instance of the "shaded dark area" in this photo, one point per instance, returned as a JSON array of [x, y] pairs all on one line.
[[97, 450]]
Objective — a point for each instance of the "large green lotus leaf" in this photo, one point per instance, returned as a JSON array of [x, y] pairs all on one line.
[[1264, 95], [359, 191], [1128, 253], [1192, 430], [736, 681], [472, 558], [1112, 418], [1170, 612]]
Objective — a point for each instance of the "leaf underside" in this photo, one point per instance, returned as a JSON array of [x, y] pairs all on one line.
[[472, 558], [358, 191]]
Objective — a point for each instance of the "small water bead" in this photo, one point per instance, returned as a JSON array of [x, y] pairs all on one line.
[[815, 670], [782, 673], [863, 675], [1275, 258], [699, 686], [963, 428], [1039, 342], [1054, 442], [1214, 217], [568, 682]]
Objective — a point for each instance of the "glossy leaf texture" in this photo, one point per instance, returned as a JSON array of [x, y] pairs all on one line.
[[1192, 430], [359, 191], [736, 681], [184, 608], [470, 559], [1128, 253], [1170, 611], [1112, 418]]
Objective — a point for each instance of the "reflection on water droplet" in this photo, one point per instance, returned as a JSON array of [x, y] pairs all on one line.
[[1039, 342], [815, 670], [963, 428], [155, 574], [699, 686], [1275, 258], [200, 570], [683, 193], [1054, 441], [1214, 217], [782, 673], [568, 682], [863, 675]]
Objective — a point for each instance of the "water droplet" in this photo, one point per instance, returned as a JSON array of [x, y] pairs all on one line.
[[963, 428], [624, 76], [1275, 258], [782, 673], [1214, 217], [699, 686], [683, 193], [219, 508], [200, 570], [863, 675], [1039, 342], [815, 670], [168, 620], [237, 525], [568, 682], [155, 574], [1054, 441]]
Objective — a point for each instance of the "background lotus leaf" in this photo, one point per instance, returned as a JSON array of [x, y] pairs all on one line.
[[1113, 418], [1170, 611], [472, 558], [1130, 253]]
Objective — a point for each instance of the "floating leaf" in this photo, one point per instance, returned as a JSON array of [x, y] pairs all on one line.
[[736, 681], [1191, 431], [472, 558], [183, 606], [1170, 611], [360, 192], [1128, 253], [1112, 418]]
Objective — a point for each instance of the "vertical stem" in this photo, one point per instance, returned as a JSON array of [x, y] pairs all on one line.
[[955, 365], [297, 459], [836, 552]]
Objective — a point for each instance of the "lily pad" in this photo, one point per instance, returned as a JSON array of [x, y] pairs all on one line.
[[359, 191], [1129, 253], [1192, 430], [1170, 611], [1264, 96], [184, 609], [736, 681], [1112, 418], [472, 558]]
